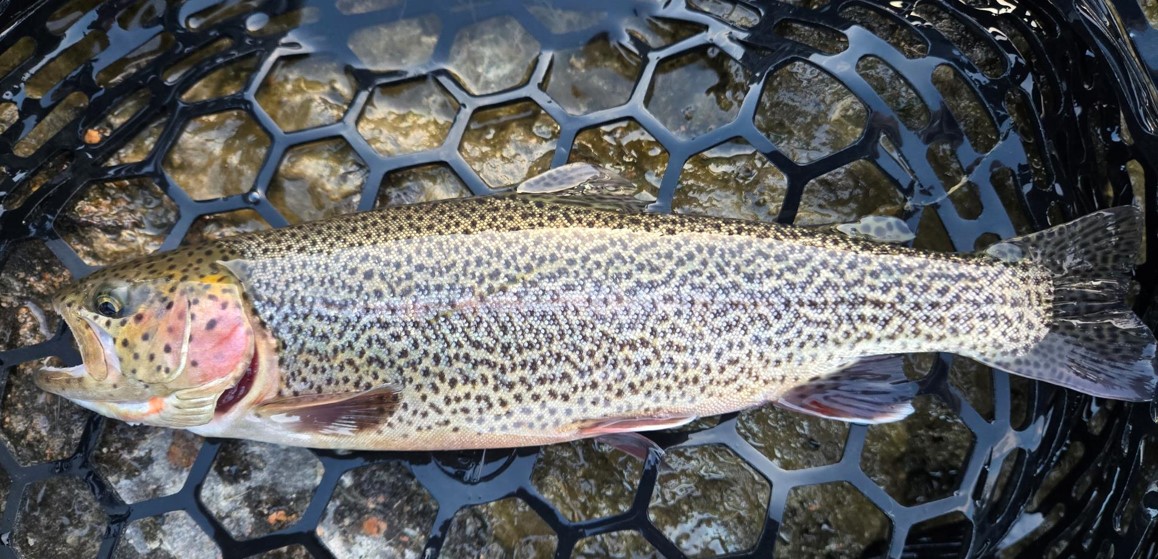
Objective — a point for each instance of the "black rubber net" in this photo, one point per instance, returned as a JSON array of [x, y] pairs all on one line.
[[128, 127]]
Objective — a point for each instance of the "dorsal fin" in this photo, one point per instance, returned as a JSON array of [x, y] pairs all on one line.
[[878, 228], [588, 184]]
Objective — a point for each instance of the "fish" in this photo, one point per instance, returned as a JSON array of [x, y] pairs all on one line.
[[565, 310]]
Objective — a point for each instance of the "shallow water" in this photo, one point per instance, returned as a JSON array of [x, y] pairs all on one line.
[[432, 106]]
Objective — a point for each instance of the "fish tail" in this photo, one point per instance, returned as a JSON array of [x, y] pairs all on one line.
[[1095, 343]]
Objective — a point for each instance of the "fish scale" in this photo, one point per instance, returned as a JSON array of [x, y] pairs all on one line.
[[564, 311], [466, 304]]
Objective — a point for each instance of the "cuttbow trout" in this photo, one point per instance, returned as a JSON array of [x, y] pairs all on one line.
[[564, 310]]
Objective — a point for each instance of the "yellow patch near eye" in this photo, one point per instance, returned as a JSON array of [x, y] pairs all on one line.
[[215, 278]]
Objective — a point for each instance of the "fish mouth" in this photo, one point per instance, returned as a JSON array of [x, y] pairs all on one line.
[[99, 360], [62, 381]]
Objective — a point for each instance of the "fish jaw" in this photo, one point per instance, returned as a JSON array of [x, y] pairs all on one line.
[[99, 374]]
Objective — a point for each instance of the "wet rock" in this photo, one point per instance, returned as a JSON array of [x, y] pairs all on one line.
[[58, 519], [173, 73], [9, 114], [889, 28], [921, 458], [625, 148], [38, 426], [830, 520], [140, 146], [306, 91], [350, 7], [397, 45], [63, 113], [225, 80], [931, 233], [64, 63], [117, 116], [849, 193], [596, 76], [493, 55], [615, 544], [218, 226], [378, 512], [961, 192], [820, 38], [117, 220], [731, 180], [257, 488], [975, 381], [709, 501], [585, 480], [28, 279], [407, 117], [561, 21], [290, 552], [895, 91], [144, 462], [730, 11], [980, 49], [506, 528], [217, 155], [808, 114], [507, 144], [169, 536], [318, 180], [660, 32], [17, 53], [697, 92], [425, 183], [966, 108], [793, 441]]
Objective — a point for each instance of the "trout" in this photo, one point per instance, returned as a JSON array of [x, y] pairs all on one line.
[[565, 310]]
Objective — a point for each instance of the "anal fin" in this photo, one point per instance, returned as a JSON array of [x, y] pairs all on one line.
[[631, 443], [621, 432], [345, 413], [869, 390]]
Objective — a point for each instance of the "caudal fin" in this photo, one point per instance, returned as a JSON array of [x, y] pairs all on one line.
[[1096, 345]]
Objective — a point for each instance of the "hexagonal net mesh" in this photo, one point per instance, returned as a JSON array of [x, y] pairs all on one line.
[[133, 126]]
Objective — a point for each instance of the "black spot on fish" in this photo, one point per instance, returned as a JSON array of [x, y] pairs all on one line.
[[211, 324], [145, 336]]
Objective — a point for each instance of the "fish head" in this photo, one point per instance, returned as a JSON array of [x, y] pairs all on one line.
[[160, 343]]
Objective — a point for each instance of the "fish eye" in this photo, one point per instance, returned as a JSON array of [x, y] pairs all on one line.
[[108, 305]]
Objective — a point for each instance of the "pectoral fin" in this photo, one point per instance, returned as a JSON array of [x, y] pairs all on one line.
[[344, 413], [869, 390]]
